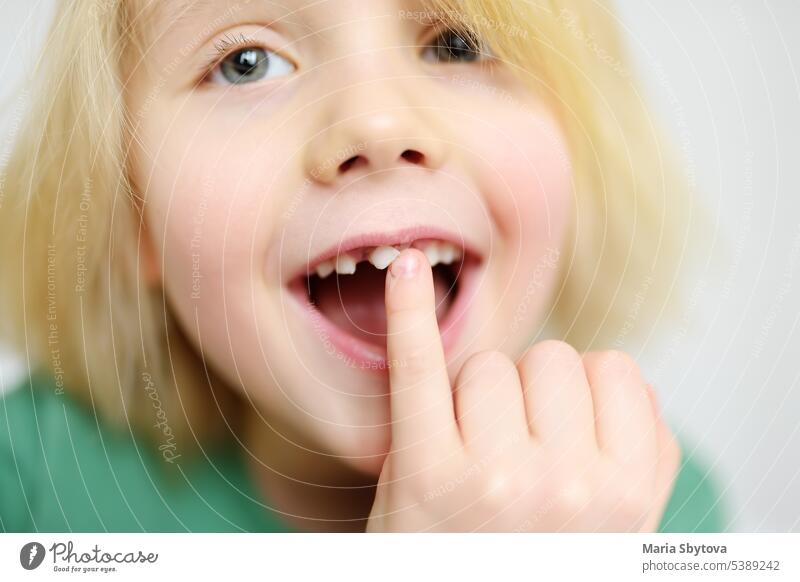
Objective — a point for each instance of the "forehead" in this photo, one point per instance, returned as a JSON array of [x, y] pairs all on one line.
[[167, 24], [175, 13], [170, 14]]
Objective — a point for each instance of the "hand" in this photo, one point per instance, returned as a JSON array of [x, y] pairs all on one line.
[[558, 442]]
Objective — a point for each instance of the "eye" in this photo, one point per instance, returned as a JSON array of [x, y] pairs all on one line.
[[248, 65], [453, 46]]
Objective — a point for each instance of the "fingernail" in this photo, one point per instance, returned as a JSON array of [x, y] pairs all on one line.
[[406, 266]]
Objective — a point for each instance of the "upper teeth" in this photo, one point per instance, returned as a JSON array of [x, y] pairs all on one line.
[[325, 268], [345, 265], [381, 257]]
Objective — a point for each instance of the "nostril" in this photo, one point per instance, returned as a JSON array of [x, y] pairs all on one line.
[[413, 156], [349, 163]]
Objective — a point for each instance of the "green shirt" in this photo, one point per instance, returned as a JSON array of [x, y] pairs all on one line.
[[62, 469]]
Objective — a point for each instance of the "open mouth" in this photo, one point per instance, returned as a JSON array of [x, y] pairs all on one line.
[[343, 290]]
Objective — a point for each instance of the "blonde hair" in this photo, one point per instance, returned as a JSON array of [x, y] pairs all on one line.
[[70, 221]]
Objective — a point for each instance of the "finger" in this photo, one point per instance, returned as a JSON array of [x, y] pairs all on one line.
[[490, 409], [668, 463], [623, 413], [558, 398], [420, 395]]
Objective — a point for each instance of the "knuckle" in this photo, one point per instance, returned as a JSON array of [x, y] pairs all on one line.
[[415, 363], [414, 358], [612, 362], [573, 495], [548, 350], [499, 490], [485, 362]]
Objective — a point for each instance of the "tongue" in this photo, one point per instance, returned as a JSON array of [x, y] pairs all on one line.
[[355, 302]]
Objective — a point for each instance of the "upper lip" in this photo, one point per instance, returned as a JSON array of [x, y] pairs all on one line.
[[399, 237]]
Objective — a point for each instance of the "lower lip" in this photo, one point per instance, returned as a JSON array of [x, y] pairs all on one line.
[[356, 353]]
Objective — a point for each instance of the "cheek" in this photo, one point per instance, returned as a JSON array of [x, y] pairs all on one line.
[[538, 195], [532, 204], [213, 206]]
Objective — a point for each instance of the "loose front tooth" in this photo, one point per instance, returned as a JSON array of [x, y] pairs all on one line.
[[382, 257], [432, 253], [447, 253], [324, 269], [345, 265]]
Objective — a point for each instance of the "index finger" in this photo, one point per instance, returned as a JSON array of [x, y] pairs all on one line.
[[421, 399]]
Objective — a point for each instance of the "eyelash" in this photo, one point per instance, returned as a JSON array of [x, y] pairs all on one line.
[[224, 47], [229, 44]]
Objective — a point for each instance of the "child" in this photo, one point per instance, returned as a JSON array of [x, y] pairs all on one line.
[[290, 267]]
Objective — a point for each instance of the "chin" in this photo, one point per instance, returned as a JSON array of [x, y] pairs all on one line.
[[363, 449]]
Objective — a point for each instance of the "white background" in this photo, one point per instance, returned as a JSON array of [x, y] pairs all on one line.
[[722, 76]]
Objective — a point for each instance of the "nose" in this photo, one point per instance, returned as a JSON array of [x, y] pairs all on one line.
[[370, 131]]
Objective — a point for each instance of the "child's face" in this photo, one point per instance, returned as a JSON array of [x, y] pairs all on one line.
[[335, 131]]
